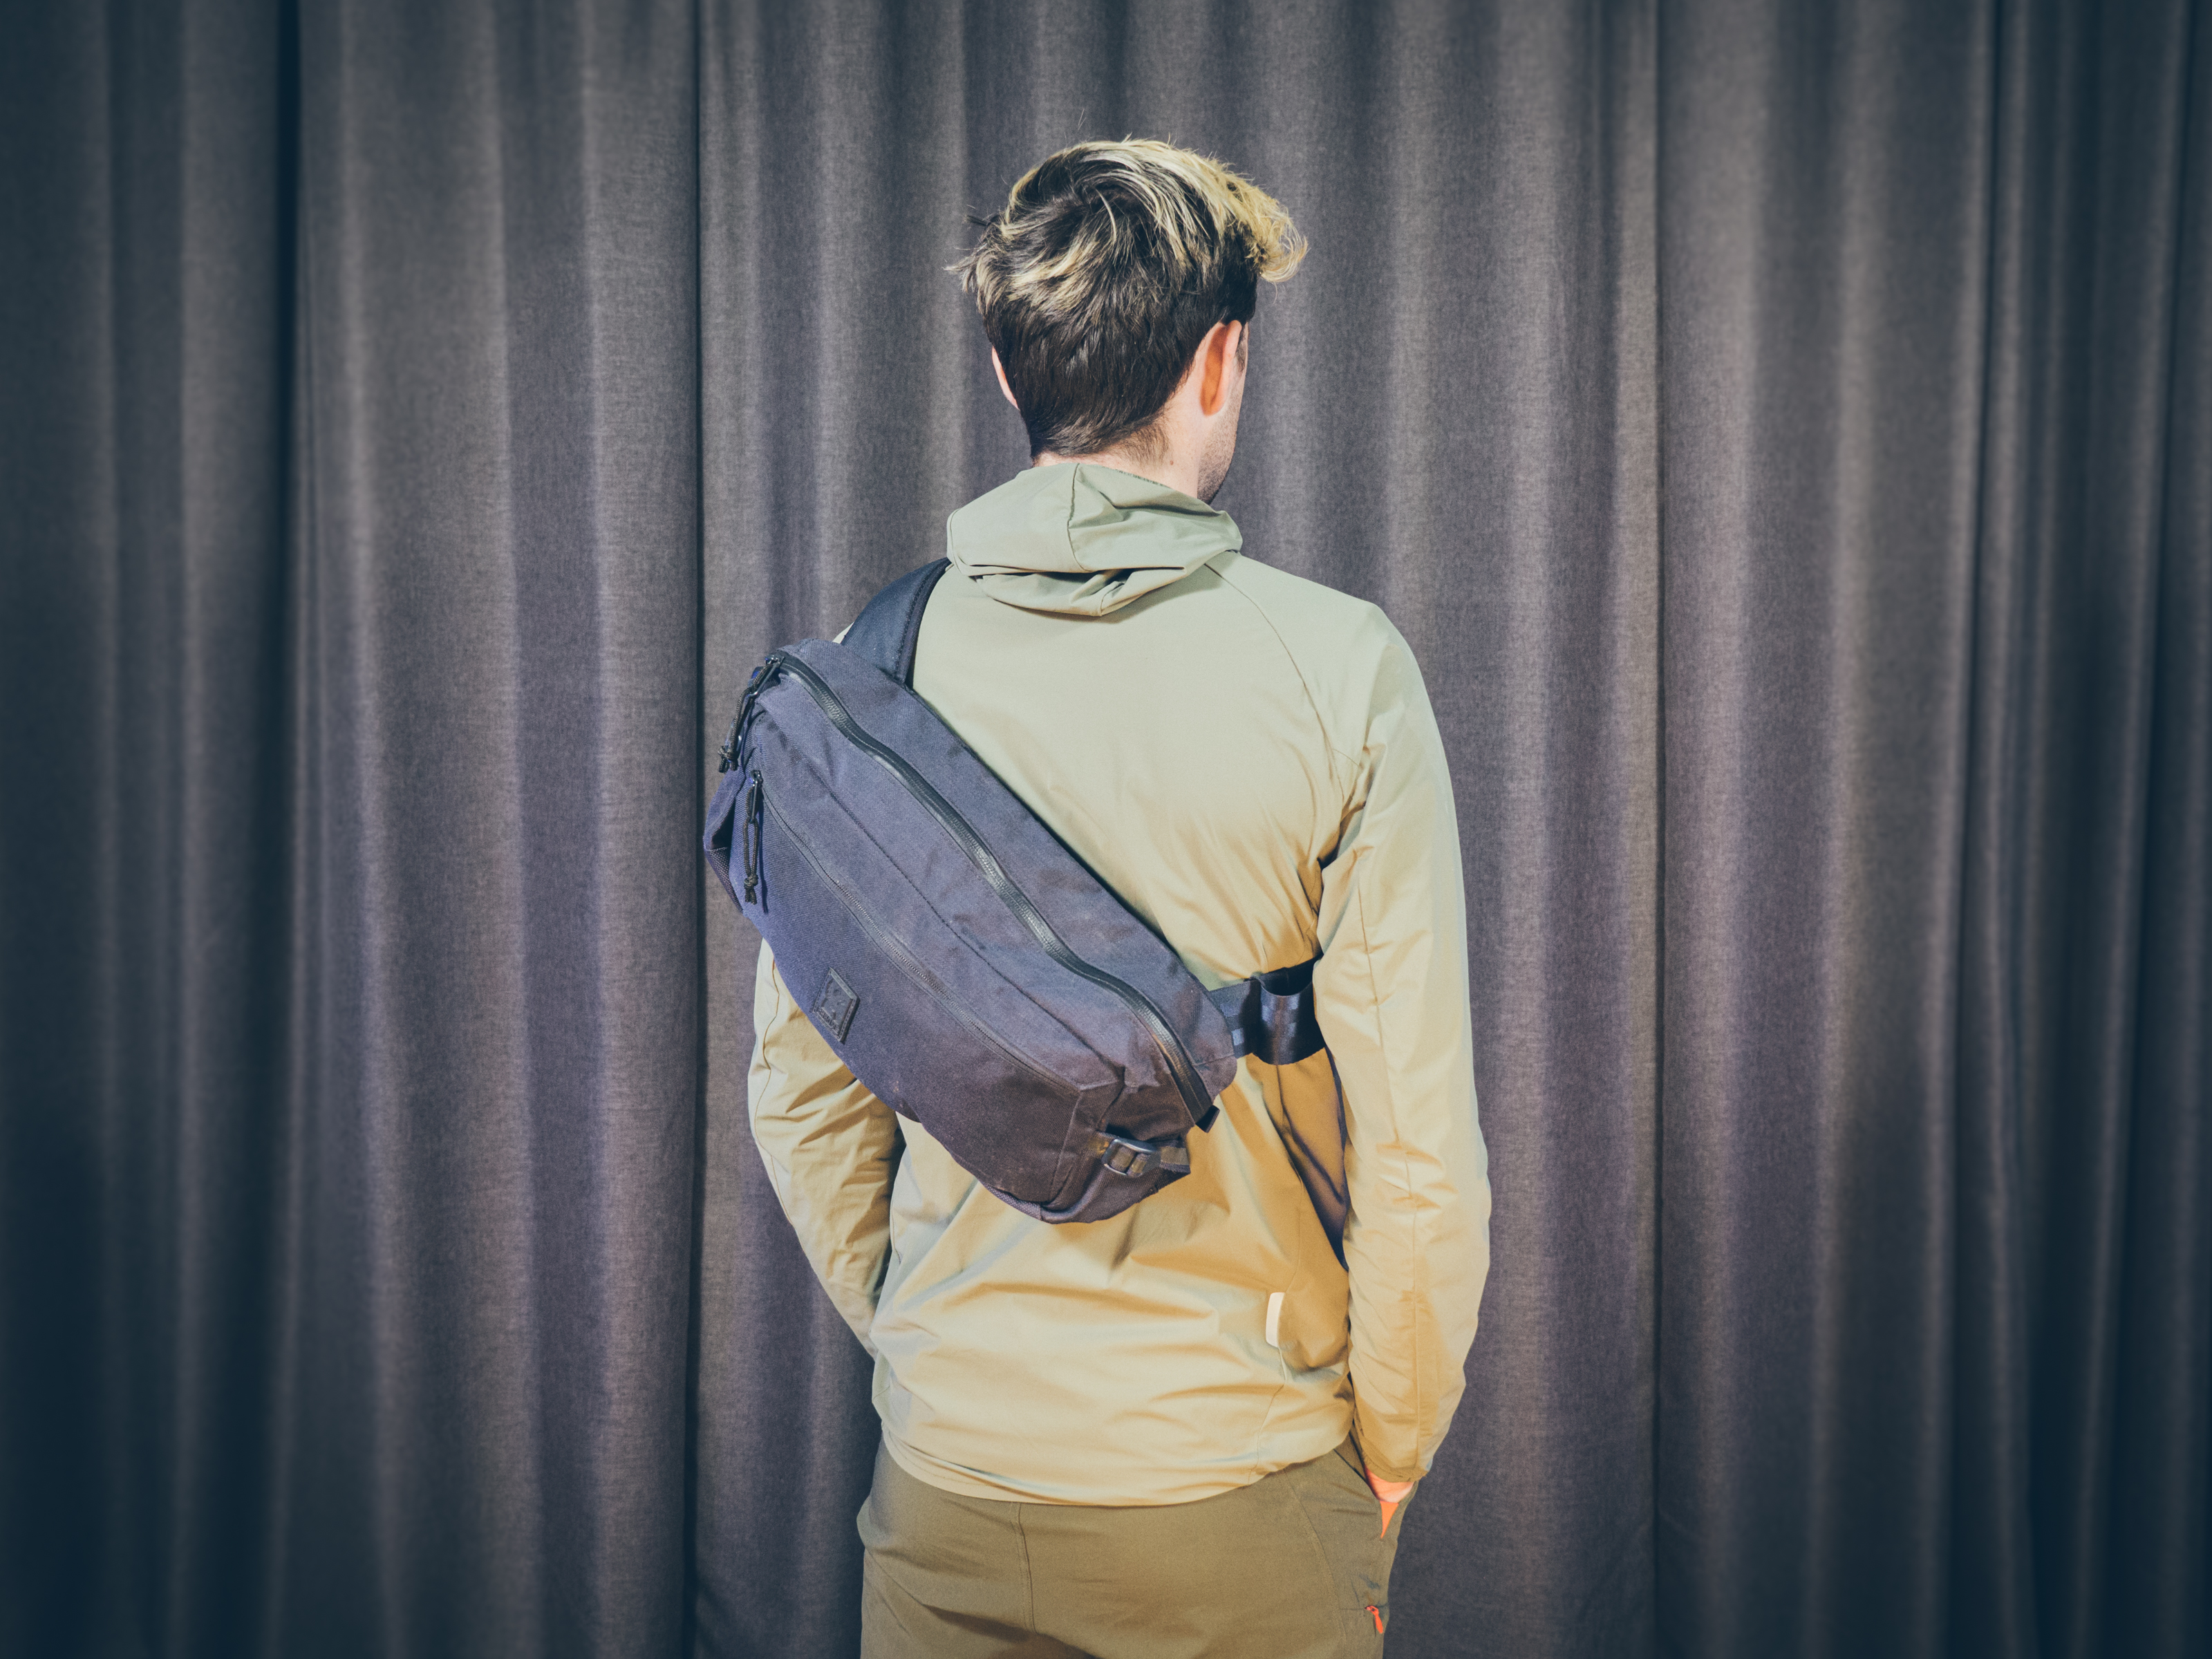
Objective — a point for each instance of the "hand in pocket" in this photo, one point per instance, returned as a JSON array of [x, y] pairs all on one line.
[[1390, 1494]]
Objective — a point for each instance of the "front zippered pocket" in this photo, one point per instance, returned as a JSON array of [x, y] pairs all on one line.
[[1197, 1101], [888, 943]]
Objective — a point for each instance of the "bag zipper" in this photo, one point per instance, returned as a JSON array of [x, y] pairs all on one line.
[[733, 742], [750, 834], [1181, 1067], [890, 945]]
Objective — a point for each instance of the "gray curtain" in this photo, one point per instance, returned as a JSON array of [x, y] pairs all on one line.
[[1784, 431]]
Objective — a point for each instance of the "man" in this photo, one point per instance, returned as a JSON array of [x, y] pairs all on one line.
[[1185, 1429]]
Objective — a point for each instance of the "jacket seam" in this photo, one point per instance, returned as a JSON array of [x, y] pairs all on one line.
[[1405, 1181], [1313, 703], [1029, 1573]]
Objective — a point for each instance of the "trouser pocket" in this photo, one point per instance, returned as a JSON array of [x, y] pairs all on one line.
[[1346, 1518]]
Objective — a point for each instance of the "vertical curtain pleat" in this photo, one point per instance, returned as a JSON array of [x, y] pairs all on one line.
[[1823, 191], [2159, 1591], [497, 261], [1781, 432], [2120, 1449], [143, 583]]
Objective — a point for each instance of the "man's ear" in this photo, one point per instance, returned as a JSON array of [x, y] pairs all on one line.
[[1000, 369], [1219, 353]]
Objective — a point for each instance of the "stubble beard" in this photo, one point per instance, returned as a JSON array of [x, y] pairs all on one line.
[[1220, 450]]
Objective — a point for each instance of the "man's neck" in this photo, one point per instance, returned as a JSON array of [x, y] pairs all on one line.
[[1156, 468]]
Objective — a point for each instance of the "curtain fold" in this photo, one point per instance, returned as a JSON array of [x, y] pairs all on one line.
[[1780, 430], [1823, 197], [499, 383], [147, 162]]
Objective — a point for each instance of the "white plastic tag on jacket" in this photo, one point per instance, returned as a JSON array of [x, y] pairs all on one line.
[[1274, 1319]]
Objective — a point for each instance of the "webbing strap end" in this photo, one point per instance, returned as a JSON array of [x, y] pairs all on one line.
[[1271, 1015]]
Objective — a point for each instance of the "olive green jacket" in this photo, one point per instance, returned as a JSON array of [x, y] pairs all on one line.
[[1251, 761]]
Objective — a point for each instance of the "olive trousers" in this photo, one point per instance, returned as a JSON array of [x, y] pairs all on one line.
[[1296, 1565]]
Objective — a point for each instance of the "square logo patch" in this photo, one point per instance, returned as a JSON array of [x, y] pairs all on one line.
[[833, 1009]]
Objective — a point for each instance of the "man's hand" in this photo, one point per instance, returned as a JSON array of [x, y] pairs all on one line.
[[1390, 1494]]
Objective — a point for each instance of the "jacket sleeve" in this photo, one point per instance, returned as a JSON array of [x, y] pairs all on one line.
[[1391, 995], [831, 1149]]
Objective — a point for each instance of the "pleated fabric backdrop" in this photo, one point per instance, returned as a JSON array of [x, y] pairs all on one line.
[[1784, 433]]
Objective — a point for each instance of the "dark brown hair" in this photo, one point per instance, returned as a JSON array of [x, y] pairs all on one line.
[[1105, 270]]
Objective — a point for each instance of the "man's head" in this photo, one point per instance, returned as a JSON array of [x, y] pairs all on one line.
[[1118, 275]]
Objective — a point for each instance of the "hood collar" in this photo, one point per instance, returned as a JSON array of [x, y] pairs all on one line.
[[1083, 539]]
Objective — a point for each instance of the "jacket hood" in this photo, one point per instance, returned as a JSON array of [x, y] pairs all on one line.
[[1083, 539]]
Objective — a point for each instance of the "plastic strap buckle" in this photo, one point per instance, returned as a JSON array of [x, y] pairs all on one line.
[[1139, 1158]]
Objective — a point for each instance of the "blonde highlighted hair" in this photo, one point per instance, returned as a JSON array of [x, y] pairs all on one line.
[[1106, 269]]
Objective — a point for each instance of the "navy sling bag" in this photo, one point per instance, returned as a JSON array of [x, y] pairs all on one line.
[[967, 967]]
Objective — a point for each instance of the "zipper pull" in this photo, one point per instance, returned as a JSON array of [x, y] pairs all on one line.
[[733, 744], [752, 832], [738, 722]]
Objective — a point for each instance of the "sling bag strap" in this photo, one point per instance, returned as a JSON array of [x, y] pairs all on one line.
[[887, 632], [1270, 1015]]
